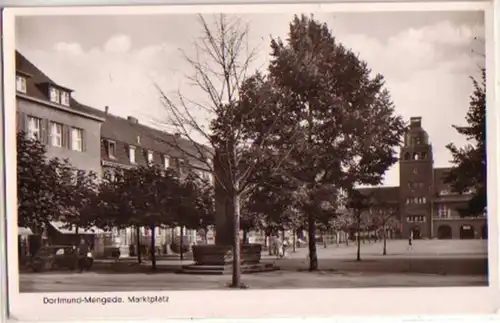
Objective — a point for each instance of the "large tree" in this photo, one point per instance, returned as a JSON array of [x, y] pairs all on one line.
[[222, 73], [36, 179], [469, 171], [348, 130]]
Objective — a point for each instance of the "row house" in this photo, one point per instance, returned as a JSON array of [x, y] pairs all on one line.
[[94, 140], [125, 143], [45, 110]]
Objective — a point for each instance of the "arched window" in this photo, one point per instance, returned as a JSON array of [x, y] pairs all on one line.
[[407, 156], [416, 156]]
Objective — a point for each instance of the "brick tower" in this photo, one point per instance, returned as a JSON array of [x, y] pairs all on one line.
[[416, 181]]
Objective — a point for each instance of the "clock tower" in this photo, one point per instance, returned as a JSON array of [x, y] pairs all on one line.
[[416, 181]]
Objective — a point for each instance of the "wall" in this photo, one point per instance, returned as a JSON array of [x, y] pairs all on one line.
[[90, 158]]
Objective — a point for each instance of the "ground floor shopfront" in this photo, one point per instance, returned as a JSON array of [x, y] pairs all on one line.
[[128, 240], [460, 228]]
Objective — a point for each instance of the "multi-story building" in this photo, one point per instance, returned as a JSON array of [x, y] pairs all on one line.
[[96, 141], [126, 143], [428, 207], [46, 111]]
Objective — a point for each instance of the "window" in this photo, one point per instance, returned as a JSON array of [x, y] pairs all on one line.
[[34, 128], [415, 171], [110, 174], [443, 211], [138, 140], [77, 139], [20, 84], [131, 154], [111, 149], [65, 98], [56, 131], [166, 161], [415, 156], [54, 95], [150, 156]]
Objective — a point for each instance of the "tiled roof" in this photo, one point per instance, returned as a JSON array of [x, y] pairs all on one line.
[[389, 194], [126, 133], [36, 80], [439, 177]]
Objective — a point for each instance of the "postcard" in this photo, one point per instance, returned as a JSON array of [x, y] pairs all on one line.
[[246, 161]]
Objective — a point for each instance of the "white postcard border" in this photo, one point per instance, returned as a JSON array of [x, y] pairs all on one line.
[[257, 303]]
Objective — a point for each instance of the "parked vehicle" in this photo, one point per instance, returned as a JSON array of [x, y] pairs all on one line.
[[60, 257]]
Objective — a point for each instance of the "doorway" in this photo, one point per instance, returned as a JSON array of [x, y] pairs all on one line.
[[467, 231], [444, 232]]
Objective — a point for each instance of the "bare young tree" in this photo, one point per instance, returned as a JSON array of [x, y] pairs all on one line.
[[239, 101]]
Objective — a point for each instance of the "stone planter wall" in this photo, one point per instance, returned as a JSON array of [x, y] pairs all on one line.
[[223, 255]]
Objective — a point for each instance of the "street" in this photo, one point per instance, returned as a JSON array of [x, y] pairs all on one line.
[[431, 263]]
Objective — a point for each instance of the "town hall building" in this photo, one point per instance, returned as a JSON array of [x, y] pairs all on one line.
[[427, 205]]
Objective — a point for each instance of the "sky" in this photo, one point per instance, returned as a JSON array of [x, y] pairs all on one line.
[[427, 59]]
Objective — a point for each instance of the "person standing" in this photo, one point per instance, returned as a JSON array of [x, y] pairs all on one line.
[[82, 252], [410, 240]]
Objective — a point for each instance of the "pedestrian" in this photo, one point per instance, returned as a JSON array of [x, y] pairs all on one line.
[[81, 253], [410, 241]]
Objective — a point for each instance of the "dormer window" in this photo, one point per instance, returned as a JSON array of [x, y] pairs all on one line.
[[65, 98], [166, 161], [111, 149], [54, 95], [20, 84], [150, 157], [59, 96], [131, 154]]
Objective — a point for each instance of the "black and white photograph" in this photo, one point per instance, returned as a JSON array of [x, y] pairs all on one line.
[[246, 151]]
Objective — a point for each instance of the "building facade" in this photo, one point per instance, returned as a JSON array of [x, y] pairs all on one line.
[[125, 143], [46, 111], [93, 140], [428, 207]]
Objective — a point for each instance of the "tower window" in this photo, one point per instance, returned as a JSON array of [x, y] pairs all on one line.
[[424, 155], [416, 156], [407, 156]]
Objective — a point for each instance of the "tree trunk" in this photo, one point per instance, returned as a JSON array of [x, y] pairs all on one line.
[[236, 279], [384, 252], [311, 232], [153, 247], [325, 244], [77, 246], [245, 236], [138, 243], [181, 242], [358, 229], [346, 235], [294, 240]]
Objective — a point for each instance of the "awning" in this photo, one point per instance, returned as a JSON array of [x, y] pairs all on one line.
[[22, 231], [64, 229]]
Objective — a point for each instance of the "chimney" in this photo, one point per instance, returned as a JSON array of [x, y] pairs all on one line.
[[132, 120], [106, 110]]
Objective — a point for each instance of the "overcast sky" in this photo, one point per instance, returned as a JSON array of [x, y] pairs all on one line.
[[426, 58]]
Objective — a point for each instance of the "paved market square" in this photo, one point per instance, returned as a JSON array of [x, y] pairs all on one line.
[[430, 263]]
